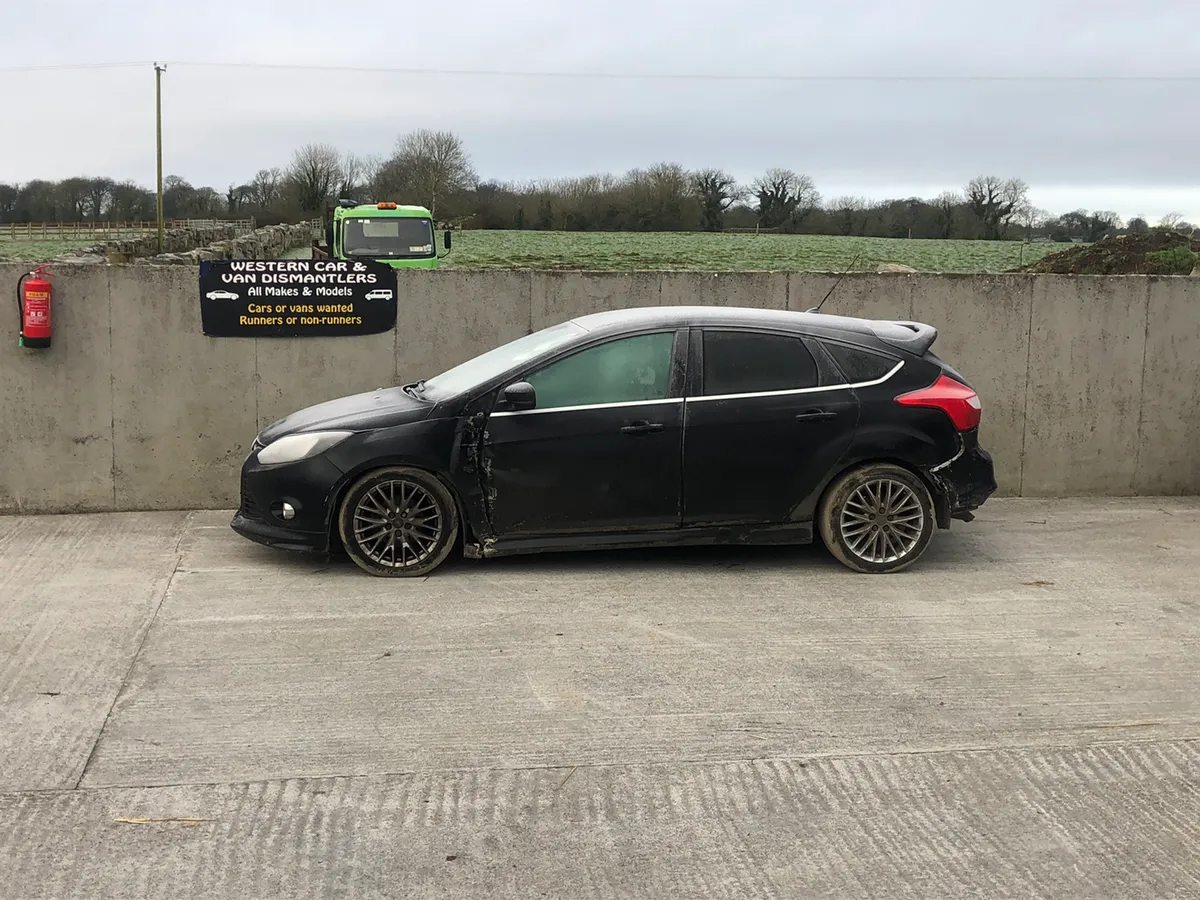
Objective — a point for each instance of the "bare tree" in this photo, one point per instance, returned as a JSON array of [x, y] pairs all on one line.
[[130, 201], [73, 194], [372, 166], [589, 203], [1169, 222], [946, 206], [312, 175], [237, 196], [1087, 226], [353, 177], [784, 198], [1030, 217], [179, 197], [847, 214], [206, 203], [10, 198], [430, 166], [995, 202], [99, 197], [716, 190], [1103, 222], [266, 187], [660, 198], [1138, 225], [39, 200]]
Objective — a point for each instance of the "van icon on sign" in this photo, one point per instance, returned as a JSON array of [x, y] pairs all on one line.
[[379, 294]]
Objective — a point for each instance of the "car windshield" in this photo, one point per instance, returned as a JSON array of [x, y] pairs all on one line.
[[501, 359], [391, 236]]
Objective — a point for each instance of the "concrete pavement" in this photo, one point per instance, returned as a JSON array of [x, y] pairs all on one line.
[[1015, 716]]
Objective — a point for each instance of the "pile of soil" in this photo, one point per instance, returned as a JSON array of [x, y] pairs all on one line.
[[1125, 254]]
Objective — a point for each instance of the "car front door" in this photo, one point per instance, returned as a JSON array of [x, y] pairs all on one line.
[[762, 425], [600, 451]]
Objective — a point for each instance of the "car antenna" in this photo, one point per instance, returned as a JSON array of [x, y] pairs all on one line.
[[817, 308]]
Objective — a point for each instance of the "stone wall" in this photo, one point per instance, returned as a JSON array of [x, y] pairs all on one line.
[[269, 242], [175, 240]]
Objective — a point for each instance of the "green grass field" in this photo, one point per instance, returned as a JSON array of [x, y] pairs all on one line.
[[672, 251], [729, 252], [25, 251]]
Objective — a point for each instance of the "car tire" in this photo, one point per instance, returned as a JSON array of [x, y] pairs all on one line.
[[419, 505], [903, 524]]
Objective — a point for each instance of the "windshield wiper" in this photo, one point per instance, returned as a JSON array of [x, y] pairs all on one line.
[[415, 390]]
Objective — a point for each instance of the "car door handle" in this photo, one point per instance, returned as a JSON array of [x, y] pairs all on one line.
[[642, 428], [816, 415]]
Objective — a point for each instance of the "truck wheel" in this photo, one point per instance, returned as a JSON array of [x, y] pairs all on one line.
[[877, 518], [398, 522]]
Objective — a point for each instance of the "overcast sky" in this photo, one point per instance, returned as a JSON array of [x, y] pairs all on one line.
[[1131, 147]]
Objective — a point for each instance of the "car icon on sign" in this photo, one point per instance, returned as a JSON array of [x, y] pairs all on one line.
[[221, 295], [379, 294]]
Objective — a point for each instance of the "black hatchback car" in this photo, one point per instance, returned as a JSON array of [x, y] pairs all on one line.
[[637, 428]]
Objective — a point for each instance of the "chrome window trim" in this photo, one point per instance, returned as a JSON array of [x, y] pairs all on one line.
[[812, 390], [552, 409]]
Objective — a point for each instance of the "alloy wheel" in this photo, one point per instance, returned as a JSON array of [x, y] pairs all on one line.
[[398, 524], [882, 521]]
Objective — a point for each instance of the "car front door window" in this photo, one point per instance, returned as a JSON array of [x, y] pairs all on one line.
[[605, 456], [626, 370]]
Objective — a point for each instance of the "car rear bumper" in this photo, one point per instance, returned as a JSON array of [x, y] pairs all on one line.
[[966, 482]]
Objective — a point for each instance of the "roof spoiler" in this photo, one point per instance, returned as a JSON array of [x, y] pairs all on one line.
[[913, 337]]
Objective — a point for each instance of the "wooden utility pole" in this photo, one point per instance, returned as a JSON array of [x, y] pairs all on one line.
[[158, 70]]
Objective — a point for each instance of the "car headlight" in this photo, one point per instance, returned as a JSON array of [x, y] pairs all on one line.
[[295, 447]]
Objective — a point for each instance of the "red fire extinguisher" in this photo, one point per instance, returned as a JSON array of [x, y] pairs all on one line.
[[33, 305]]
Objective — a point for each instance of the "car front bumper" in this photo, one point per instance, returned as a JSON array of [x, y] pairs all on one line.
[[308, 486], [966, 482]]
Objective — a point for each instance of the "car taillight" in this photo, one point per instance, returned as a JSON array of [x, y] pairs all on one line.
[[952, 397]]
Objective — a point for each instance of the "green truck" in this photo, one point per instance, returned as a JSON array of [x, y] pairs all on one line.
[[401, 236]]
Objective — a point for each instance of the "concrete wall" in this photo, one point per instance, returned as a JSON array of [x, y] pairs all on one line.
[[1089, 385]]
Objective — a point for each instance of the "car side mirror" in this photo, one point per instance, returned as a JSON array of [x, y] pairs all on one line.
[[519, 396], [446, 240]]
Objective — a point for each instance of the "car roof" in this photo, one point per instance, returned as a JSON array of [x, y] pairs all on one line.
[[913, 337]]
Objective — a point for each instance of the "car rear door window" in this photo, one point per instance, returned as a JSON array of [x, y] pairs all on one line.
[[859, 365], [625, 370], [745, 362]]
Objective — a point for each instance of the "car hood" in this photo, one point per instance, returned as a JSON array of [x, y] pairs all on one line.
[[358, 412]]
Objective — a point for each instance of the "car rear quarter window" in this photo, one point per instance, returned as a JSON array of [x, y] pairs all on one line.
[[744, 362], [859, 365]]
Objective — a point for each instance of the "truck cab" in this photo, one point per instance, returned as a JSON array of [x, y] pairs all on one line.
[[399, 235]]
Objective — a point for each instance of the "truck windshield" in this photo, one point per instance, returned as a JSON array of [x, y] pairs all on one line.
[[392, 237]]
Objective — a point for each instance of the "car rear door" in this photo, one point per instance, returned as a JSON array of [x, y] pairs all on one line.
[[601, 451], [763, 423]]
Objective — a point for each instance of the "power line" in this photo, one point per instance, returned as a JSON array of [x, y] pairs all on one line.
[[68, 66], [634, 76]]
